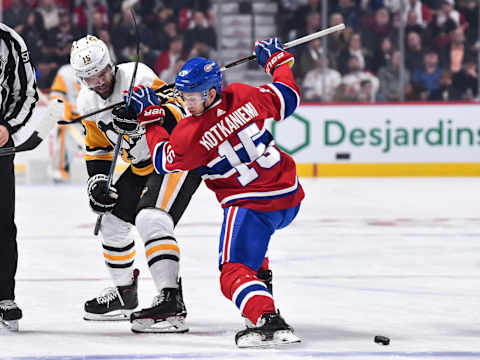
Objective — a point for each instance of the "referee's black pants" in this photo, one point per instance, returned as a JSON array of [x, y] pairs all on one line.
[[8, 230]]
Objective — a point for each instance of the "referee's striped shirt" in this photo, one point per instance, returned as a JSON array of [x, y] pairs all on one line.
[[18, 89]]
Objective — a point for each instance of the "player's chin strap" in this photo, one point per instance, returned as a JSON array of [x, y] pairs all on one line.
[[98, 224]]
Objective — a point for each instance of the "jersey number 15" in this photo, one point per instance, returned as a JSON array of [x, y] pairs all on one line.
[[256, 153]]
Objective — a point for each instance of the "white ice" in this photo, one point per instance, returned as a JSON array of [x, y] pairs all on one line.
[[395, 257]]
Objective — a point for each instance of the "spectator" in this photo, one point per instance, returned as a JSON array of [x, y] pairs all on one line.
[[448, 13], [392, 5], [321, 82], [61, 38], [338, 41], [423, 12], [34, 35], [57, 48], [80, 13], [365, 91], [308, 58], [413, 24], [445, 91], [166, 35], [199, 32], [382, 55], [354, 49], [376, 28], [297, 21], [469, 9], [415, 92], [98, 23], [413, 52], [200, 49], [465, 81], [50, 13], [165, 64], [312, 24], [452, 56], [123, 37], [356, 77], [349, 11], [391, 88], [445, 21], [429, 75], [15, 15], [149, 9], [345, 93], [156, 22], [186, 11]]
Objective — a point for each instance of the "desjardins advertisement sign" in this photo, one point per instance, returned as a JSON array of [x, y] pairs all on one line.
[[389, 136], [383, 133]]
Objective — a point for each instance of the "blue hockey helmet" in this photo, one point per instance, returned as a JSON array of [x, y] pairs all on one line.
[[199, 75]]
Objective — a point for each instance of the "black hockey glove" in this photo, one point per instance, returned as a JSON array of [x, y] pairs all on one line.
[[97, 193], [125, 122]]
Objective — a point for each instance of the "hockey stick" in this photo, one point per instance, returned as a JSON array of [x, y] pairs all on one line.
[[291, 44], [287, 45], [54, 112], [116, 150]]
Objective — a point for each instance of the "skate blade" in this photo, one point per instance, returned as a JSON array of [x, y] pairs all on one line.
[[174, 324], [10, 325], [118, 315], [282, 337]]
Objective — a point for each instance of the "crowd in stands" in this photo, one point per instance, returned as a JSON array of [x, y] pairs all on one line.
[[169, 34], [362, 63]]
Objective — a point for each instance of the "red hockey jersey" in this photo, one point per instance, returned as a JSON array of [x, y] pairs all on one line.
[[231, 148]]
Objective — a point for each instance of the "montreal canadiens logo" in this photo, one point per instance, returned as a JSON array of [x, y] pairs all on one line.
[[208, 67]]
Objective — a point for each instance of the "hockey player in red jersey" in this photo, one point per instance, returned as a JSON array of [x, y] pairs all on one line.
[[254, 181]]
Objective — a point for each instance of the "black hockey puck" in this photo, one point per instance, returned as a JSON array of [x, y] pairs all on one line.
[[379, 339]]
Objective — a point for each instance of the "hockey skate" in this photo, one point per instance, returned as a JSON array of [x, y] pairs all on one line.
[[166, 315], [114, 304], [10, 313], [272, 330]]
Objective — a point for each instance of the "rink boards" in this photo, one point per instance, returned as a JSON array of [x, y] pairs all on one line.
[[386, 139], [352, 139]]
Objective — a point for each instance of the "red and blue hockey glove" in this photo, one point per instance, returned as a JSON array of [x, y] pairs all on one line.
[[146, 105], [270, 54]]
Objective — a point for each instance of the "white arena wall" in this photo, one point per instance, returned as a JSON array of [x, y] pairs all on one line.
[[331, 139]]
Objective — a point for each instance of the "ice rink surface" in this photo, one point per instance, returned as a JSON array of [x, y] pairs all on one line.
[[395, 257]]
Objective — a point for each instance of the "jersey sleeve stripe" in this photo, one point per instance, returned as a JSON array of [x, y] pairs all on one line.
[[159, 158], [280, 98], [290, 97]]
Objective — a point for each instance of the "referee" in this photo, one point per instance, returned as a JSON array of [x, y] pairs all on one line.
[[18, 95]]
